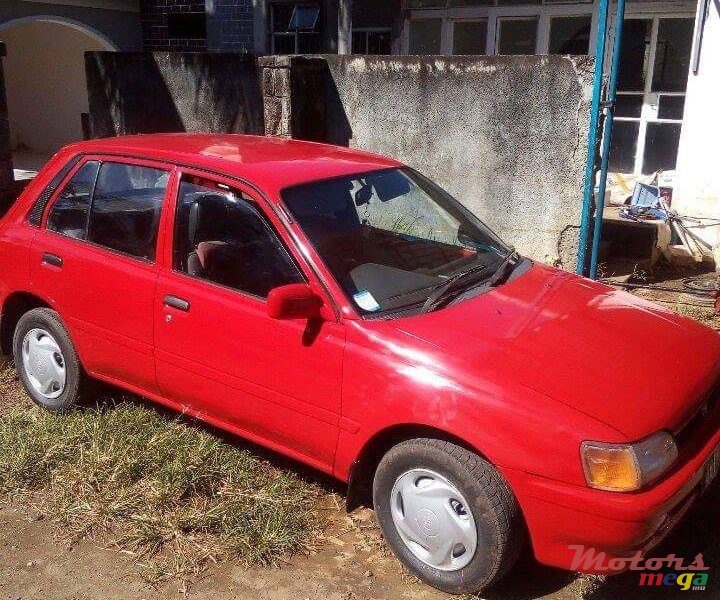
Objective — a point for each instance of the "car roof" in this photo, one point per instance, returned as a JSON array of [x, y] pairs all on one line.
[[269, 163]]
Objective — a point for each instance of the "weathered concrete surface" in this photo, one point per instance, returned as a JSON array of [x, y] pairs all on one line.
[[505, 135], [143, 92]]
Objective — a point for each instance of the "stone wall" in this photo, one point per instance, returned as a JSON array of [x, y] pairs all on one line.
[[276, 91], [169, 92], [505, 135]]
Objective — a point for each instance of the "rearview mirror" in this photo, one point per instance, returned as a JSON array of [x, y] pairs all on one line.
[[294, 301], [390, 185]]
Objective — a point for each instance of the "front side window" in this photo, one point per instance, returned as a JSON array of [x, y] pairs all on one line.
[[221, 237], [391, 237], [69, 214], [126, 206]]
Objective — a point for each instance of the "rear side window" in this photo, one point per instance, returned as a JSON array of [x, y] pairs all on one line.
[[69, 214], [221, 237], [125, 209]]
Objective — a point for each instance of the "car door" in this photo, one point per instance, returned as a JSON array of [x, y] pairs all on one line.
[[94, 259], [218, 352]]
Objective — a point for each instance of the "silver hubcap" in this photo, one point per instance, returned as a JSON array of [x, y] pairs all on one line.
[[433, 519], [44, 363]]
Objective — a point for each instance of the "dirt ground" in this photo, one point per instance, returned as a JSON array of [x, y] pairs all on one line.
[[351, 563]]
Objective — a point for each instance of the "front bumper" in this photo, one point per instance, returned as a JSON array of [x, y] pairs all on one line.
[[560, 516]]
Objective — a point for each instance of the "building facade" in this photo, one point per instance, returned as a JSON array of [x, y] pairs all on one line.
[[653, 131], [271, 27], [653, 73]]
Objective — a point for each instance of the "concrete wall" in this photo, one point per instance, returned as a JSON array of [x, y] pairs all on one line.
[[46, 89], [697, 184], [166, 92], [505, 135]]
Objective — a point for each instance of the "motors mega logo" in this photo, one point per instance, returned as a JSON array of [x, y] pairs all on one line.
[[694, 576]]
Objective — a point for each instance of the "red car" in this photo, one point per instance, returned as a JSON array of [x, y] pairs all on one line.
[[341, 308]]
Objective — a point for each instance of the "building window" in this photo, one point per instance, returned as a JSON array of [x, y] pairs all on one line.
[[295, 28], [186, 26], [570, 35], [517, 35], [469, 37], [371, 41], [425, 35], [654, 63]]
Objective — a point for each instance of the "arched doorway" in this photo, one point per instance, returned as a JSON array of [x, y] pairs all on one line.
[[45, 84]]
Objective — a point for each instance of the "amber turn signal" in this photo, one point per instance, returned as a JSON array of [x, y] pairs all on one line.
[[628, 467]]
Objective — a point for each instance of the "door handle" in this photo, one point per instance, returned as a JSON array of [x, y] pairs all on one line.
[[178, 303], [52, 259]]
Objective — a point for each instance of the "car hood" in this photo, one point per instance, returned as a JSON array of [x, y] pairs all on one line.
[[622, 360]]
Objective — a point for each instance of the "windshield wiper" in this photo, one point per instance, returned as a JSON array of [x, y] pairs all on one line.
[[446, 286], [512, 258]]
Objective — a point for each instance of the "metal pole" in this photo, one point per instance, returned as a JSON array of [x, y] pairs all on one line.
[[607, 137], [345, 8], [592, 134]]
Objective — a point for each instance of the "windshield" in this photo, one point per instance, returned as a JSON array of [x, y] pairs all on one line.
[[391, 237]]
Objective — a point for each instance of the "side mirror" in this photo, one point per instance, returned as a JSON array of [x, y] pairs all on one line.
[[294, 301]]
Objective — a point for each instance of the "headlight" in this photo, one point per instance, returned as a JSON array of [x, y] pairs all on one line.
[[628, 467]]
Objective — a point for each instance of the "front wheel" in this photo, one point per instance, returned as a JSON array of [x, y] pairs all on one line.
[[46, 360], [447, 514]]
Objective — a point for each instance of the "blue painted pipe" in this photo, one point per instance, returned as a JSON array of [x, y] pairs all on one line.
[[607, 138], [592, 134]]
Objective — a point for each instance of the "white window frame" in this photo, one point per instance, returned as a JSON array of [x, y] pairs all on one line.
[[544, 12], [650, 104]]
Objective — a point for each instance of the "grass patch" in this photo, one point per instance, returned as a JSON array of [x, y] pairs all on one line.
[[173, 494]]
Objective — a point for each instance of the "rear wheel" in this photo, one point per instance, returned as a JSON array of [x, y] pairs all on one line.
[[46, 360], [447, 514]]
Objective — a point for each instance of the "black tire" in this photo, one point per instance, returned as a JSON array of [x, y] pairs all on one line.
[[77, 383], [497, 517]]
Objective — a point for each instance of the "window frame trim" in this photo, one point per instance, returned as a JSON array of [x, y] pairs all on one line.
[[257, 208], [103, 158]]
